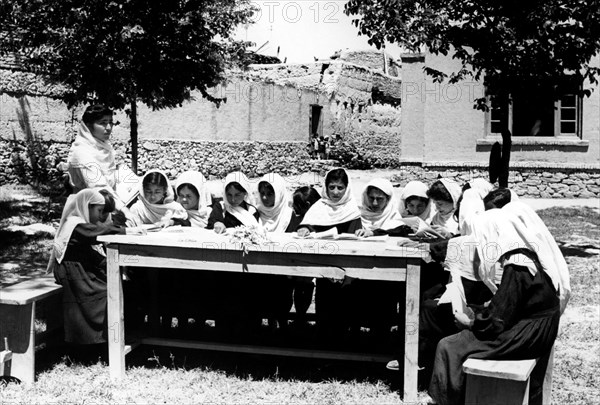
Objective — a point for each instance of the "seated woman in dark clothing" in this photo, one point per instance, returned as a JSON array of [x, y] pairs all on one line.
[[521, 320], [336, 209]]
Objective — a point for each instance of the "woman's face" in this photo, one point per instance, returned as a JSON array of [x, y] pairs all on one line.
[[95, 212], [377, 199], [154, 193], [102, 128], [188, 198], [416, 206], [443, 207], [234, 196], [267, 194], [336, 190]]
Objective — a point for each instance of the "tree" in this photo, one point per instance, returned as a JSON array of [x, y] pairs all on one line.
[[123, 52], [506, 44]]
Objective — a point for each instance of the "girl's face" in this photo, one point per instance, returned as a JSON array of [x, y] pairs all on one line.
[[336, 190], [102, 128], [377, 199], [188, 198], [443, 207], [234, 196], [267, 194], [416, 206], [95, 212], [154, 193]]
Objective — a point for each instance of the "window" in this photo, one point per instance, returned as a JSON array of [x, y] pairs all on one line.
[[534, 112], [315, 120]]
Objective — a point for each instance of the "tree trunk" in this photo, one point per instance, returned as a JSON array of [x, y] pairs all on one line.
[[506, 146], [134, 137]]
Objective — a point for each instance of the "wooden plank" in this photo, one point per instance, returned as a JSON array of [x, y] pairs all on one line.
[[518, 370], [302, 265], [268, 350], [411, 330], [116, 332], [29, 291], [493, 391], [196, 238]]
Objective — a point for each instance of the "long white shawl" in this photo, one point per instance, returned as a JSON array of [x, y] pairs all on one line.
[[447, 220], [275, 218], [389, 217], [147, 213], [198, 217], [326, 212], [245, 216], [416, 189]]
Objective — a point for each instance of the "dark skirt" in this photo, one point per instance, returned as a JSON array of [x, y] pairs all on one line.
[[84, 303], [529, 338]]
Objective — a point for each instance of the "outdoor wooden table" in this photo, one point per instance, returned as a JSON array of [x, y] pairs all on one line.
[[200, 249]]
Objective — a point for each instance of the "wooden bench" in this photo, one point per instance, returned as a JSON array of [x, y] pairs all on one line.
[[17, 324], [505, 382]]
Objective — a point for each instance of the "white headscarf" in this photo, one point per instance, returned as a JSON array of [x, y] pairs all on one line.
[[245, 216], [96, 155], [447, 220], [275, 218], [197, 217], [471, 204], [416, 189], [534, 223], [76, 212], [326, 212], [147, 213], [497, 232], [389, 217], [481, 184]]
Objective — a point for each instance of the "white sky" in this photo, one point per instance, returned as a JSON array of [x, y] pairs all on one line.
[[304, 29]]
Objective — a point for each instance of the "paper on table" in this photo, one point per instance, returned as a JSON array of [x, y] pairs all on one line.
[[422, 229], [328, 234]]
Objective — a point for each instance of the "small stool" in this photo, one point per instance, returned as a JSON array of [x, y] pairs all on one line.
[[498, 382]]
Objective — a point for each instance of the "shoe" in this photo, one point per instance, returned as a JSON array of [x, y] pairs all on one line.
[[393, 365]]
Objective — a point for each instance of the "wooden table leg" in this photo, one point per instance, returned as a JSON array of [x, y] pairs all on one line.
[[411, 330], [116, 330]]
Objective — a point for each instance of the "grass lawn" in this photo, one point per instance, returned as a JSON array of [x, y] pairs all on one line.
[[162, 375]]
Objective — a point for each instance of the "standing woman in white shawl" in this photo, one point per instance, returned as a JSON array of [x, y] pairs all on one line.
[[156, 203], [237, 207], [79, 265], [91, 161], [194, 196], [521, 320], [337, 207], [445, 194], [379, 208], [274, 205]]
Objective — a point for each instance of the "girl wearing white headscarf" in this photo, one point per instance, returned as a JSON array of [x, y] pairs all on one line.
[[415, 193], [274, 204], [521, 320], [156, 203], [237, 208], [336, 208], [379, 208], [194, 196], [445, 194], [79, 265]]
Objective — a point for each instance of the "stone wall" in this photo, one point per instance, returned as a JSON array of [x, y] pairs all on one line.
[[216, 159], [530, 182]]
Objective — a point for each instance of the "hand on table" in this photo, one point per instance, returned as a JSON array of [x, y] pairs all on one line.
[[219, 227], [363, 233], [442, 231], [303, 232]]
